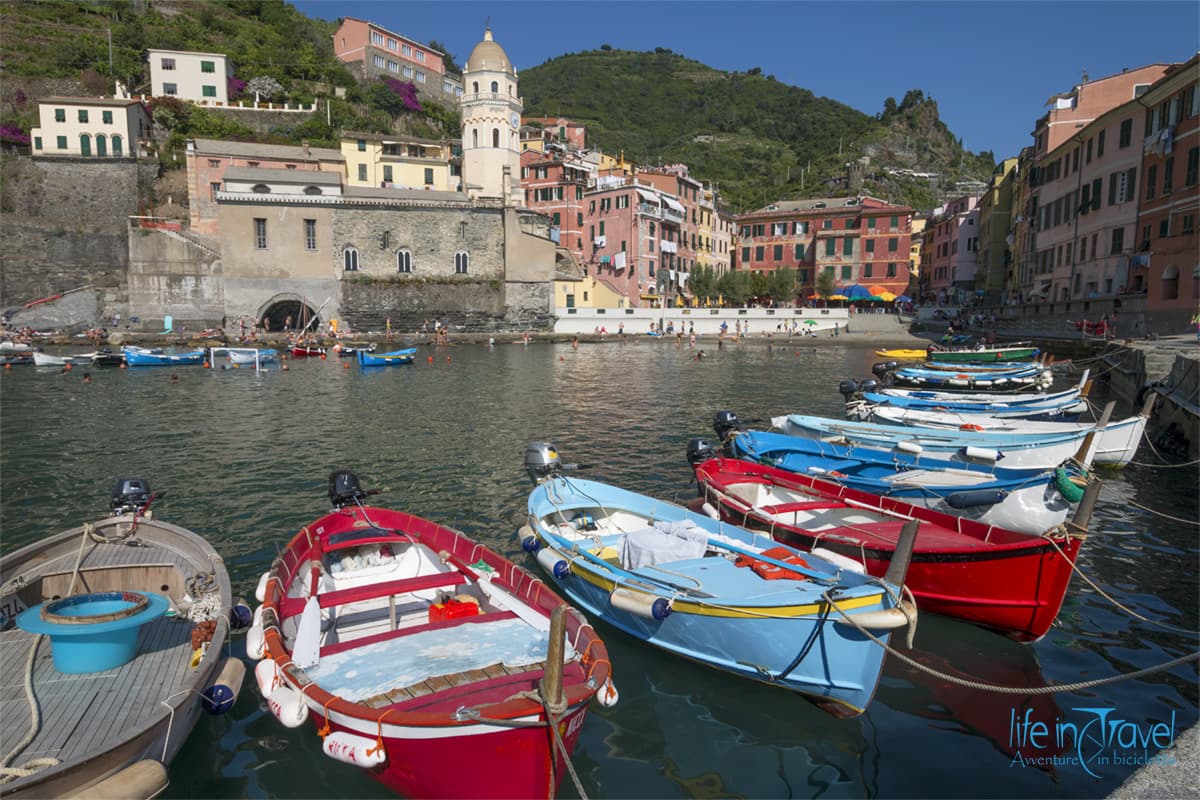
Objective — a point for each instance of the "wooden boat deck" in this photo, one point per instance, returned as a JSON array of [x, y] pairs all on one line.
[[86, 715]]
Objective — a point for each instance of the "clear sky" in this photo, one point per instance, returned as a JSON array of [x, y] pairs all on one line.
[[991, 66]]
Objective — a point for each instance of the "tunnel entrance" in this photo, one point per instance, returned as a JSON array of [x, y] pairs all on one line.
[[289, 313]]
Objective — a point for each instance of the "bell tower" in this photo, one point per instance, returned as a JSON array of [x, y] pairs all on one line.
[[491, 119]]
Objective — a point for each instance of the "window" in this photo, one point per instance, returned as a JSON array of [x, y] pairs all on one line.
[[310, 235], [847, 272], [1168, 178], [867, 270], [376, 37], [1164, 227], [777, 252], [1118, 241], [403, 261], [83, 115], [1100, 145], [1193, 165], [830, 247], [1083, 249], [870, 243], [60, 115], [870, 223], [891, 270], [37, 143], [350, 259], [495, 137], [462, 262], [106, 117], [208, 91], [213, 187], [170, 89], [847, 246], [1151, 180], [391, 43], [779, 229], [387, 173], [895, 222], [1088, 157], [893, 244], [406, 50], [800, 227], [394, 66], [61, 141], [168, 63], [1126, 134], [759, 253], [495, 87], [208, 66], [420, 76], [260, 233], [745, 255], [1187, 224], [827, 225], [421, 56], [379, 62], [429, 176]]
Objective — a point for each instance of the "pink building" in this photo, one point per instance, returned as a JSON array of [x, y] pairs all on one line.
[[1072, 110], [949, 252], [372, 51], [208, 159], [554, 186], [562, 130]]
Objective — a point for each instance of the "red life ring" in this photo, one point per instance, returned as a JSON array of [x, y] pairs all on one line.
[[970, 426]]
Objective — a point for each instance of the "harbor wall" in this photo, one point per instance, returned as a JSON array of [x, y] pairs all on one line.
[[707, 321]]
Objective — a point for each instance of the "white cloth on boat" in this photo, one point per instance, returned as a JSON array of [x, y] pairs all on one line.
[[663, 542], [406, 660]]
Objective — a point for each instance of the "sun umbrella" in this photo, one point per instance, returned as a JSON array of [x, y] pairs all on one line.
[[878, 289], [810, 322], [855, 291], [875, 299], [903, 299], [838, 297], [886, 296]]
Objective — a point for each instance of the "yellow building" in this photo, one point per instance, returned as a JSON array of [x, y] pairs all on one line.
[[399, 162], [586, 292], [914, 252]]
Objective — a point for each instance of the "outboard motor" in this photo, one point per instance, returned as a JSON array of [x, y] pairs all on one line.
[[541, 461], [892, 365], [880, 369], [130, 495], [848, 388], [700, 450], [345, 488], [725, 423], [869, 385]]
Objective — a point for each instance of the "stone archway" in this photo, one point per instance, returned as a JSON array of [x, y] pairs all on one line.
[[286, 308]]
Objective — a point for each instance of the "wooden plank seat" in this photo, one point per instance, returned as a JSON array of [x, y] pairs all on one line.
[[292, 606], [807, 505], [341, 647]]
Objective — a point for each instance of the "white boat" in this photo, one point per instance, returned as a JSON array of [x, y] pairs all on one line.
[[111, 639], [9, 347], [41, 359], [250, 355], [1118, 440]]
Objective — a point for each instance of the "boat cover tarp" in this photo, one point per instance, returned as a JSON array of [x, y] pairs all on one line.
[[661, 543]]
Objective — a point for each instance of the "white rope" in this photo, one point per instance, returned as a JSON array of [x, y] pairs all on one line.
[[8, 773]]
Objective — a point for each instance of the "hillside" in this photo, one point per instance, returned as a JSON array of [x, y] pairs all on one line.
[[757, 138]]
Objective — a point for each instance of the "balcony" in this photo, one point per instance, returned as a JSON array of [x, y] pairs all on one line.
[[647, 210]]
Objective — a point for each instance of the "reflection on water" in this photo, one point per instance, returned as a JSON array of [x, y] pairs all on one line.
[[244, 459]]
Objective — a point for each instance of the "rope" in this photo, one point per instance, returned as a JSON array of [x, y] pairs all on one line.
[[553, 725], [8, 773], [1018, 690], [1164, 516], [1075, 568]]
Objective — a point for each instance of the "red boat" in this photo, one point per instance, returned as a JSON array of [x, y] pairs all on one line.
[[307, 351], [440, 667], [994, 577]]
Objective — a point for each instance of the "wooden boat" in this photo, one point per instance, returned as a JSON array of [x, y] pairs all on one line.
[[394, 358], [1011, 582], [711, 592], [41, 359], [1020, 351], [105, 357], [141, 357], [307, 351], [352, 351], [993, 380], [1116, 446], [1023, 500], [903, 354], [1070, 401], [247, 356], [149, 625], [1027, 451], [422, 656]]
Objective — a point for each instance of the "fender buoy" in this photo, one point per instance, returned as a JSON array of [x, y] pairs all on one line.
[[350, 748], [770, 571], [223, 693], [1071, 491], [607, 696], [979, 497], [288, 706], [970, 426], [260, 591], [267, 676]]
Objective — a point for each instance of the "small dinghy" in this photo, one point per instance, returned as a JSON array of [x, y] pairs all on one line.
[[1018, 351], [712, 592], [111, 639], [421, 656], [41, 359], [141, 357], [392, 359]]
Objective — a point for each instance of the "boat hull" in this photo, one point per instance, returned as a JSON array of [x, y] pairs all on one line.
[[985, 356], [141, 358], [1014, 584]]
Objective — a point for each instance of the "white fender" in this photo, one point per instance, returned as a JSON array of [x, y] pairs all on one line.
[[910, 447], [267, 676], [260, 592], [708, 509], [982, 454], [607, 696], [255, 642], [884, 619], [145, 778], [288, 706], [352, 749]]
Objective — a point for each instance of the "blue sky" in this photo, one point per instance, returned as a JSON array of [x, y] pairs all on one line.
[[991, 66]]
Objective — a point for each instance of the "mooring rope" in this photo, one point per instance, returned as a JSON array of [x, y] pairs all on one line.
[[32, 766], [558, 742], [1021, 690]]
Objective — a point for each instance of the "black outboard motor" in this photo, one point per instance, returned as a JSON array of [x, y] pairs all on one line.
[[848, 388], [541, 461], [725, 423], [700, 450], [130, 495], [880, 369], [345, 489], [869, 385]]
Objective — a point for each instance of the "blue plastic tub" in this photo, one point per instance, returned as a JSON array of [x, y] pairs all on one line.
[[93, 632]]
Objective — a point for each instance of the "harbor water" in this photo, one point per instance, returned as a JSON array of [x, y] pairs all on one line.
[[244, 458]]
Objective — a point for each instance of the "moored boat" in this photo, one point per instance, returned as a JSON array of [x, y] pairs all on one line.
[[394, 358], [903, 354], [307, 351], [1018, 351], [710, 592], [248, 356], [967, 378], [41, 359], [1011, 582], [141, 357], [422, 656], [119, 628]]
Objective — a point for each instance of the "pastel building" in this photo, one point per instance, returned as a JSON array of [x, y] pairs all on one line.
[[995, 225], [399, 162], [372, 51], [1166, 260], [491, 118], [948, 254], [554, 185], [201, 78], [89, 127]]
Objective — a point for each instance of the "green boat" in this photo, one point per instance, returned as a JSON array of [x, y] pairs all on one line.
[[986, 355]]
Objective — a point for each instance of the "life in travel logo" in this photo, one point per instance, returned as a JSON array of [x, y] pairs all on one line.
[[1089, 738]]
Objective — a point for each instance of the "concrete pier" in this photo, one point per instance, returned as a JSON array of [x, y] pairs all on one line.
[[1163, 781]]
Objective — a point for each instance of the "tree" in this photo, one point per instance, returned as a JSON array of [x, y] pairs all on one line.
[[825, 282], [447, 59], [264, 87], [703, 282], [735, 287], [782, 285]]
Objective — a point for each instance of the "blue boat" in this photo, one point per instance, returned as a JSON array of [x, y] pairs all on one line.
[[712, 592], [966, 378], [141, 357], [1062, 406], [1025, 500], [392, 359]]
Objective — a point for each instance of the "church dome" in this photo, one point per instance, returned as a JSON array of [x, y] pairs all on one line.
[[490, 56]]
